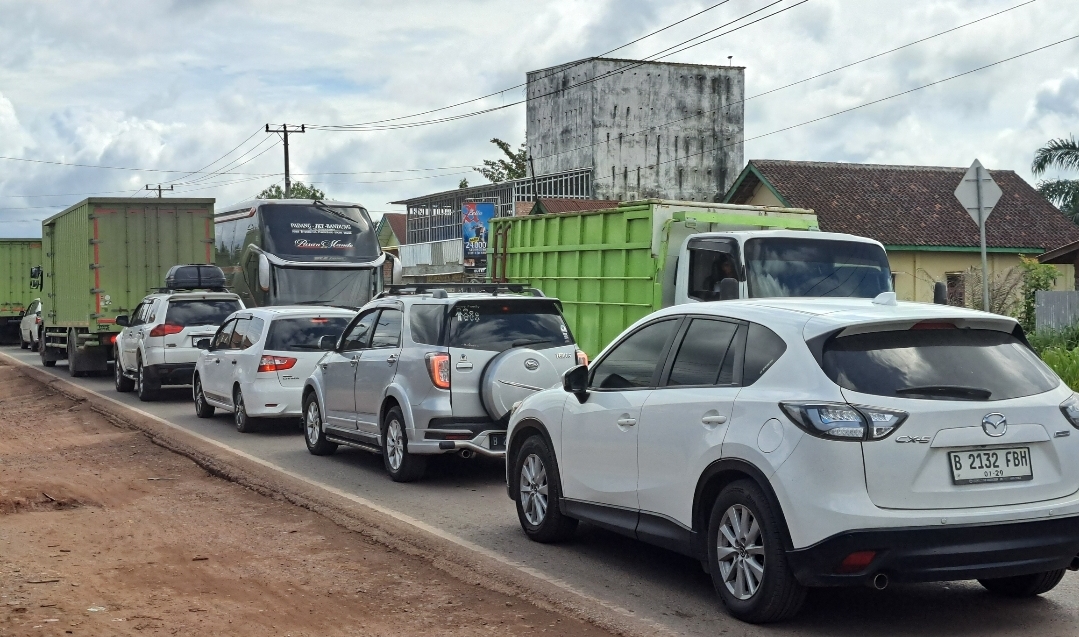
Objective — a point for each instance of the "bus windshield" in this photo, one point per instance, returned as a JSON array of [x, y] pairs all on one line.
[[816, 267], [341, 287], [318, 232]]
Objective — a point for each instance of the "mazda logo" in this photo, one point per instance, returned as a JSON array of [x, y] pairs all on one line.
[[531, 364], [994, 425]]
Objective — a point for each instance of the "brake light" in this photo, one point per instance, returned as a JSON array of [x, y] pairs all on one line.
[[582, 358], [320, 320], [933, 325], [856, 562], [438, 366], [276, 363], [166, 329], [835, 421], [37, 320]]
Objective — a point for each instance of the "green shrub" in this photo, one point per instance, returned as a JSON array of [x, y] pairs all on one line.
[[1066, 339], [1065, 362]]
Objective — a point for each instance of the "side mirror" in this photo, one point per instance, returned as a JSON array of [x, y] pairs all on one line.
[[327, 343], [203, 343], [123, 320], [575, 381], [264, 273], [728, 289], [940, 293]]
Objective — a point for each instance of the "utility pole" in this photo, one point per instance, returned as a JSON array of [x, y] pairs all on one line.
[[284, 131], [158, 188]]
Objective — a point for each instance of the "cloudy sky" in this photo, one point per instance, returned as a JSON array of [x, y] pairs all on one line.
[[167, 88]]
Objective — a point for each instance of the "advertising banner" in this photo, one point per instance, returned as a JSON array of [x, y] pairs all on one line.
[[475, 219]]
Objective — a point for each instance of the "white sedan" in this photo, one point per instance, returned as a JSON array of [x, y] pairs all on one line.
[[793, 443], [256, 364]]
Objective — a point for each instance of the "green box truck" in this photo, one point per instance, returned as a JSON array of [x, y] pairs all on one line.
[[17, 258], [612, 267], [101, 257]]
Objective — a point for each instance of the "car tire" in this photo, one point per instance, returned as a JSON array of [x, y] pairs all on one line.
[[122, 383], [23, 344], [1024, 585], [145, 388], [749, 567], [537, 491], [400, 464], [203, 409], [314, 432], [244, 423]]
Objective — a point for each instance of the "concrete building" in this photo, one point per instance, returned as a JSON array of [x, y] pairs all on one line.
[[912, 210], [646, 129]]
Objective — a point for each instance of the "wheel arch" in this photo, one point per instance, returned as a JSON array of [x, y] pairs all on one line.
[[522, 431], [715, 478]]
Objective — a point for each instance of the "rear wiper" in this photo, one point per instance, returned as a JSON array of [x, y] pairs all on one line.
[[532, 342], [960, 391]]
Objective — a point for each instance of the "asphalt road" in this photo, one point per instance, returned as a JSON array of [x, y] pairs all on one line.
[[468, 499]]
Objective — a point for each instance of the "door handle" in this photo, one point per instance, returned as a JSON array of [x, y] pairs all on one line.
[[354, 361], [392, 359], [233, 362], [627, 422], [323, 365], [714, 420], [217, 361]]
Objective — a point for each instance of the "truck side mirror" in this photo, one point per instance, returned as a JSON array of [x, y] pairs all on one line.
[[327, 343], [122, 320], [264, 273], [575, 381], [728, 289], [940, 293]]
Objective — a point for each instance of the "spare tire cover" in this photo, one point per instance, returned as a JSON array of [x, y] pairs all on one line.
[[514, 375]]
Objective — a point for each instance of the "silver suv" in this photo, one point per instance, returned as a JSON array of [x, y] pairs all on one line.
[[423, 371]]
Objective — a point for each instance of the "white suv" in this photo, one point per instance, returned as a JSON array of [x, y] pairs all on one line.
[[29, 325], [159, 343], [258, 360], [793, 443]]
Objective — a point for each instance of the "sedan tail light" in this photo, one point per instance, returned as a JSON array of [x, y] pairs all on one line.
[[840, 421], [438, 366], [276, 363], [165, 329]]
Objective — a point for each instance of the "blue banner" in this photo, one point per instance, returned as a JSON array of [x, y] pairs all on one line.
[[475, 219]]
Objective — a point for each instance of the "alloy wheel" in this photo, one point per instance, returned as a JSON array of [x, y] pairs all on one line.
[[313, 423], [240, 413], [200, 399], [740, 550], [534, 490], [395, 444]]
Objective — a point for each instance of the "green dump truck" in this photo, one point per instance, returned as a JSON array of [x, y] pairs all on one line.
[[612, 267], [101, 257], [17, 258]]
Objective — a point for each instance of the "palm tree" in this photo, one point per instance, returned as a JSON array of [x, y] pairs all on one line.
[[1064, 193]]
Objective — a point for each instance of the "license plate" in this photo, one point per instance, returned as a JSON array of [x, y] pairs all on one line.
[[497, 442], [996, 465]]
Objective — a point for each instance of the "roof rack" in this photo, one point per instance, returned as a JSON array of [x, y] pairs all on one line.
[[441, 290], [167, 290]]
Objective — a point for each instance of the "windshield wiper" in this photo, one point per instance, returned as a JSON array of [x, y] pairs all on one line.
[[527, 342], [959, 391], [333, 211]]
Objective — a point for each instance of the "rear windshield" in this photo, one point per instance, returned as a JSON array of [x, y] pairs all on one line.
[[200, 312], [498, 325], [941, 364], [303, 334]]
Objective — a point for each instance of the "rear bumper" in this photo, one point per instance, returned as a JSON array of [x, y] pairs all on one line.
[[171, 373], [938, 554], [484, 438]]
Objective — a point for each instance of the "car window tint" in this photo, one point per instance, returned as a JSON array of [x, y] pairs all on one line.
[[239, 333], [702, 352], [189, 312], [632, 363], [388, 330], [253, 332], [135, 313], [425, 323], [360, 335], [499, 324], [223, 336], [303, 334], [763, 348]]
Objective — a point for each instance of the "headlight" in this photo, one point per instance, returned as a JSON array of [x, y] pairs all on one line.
[[1070, 409], [840, 421]]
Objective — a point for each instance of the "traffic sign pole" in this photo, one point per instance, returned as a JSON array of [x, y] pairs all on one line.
[[979, 194], [981, 227]]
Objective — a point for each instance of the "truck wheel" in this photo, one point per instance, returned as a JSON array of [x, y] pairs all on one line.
[[145, 388], [400, 464], [46, 359], [537, 493], [203, 409], [123, 383], [244, 423], [73, 356], [1024, 585], [746, 558], [313, 431]]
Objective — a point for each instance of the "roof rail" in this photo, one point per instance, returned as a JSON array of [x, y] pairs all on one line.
[[440, 290], [167, 290]]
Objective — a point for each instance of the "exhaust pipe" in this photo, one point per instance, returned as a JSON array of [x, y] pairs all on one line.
[[880, 581], [1074, 566], [466, 453]]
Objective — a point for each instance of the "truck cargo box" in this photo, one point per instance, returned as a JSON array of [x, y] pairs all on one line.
[[17, 257]]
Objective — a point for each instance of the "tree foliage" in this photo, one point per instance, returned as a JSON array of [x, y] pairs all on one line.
[[299, 190], [514, 166], [1062, 154], [1036, 276]]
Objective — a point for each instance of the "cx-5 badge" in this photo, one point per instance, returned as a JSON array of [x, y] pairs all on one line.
[[994, 425]]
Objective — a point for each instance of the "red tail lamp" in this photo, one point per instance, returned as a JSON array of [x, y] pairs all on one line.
[[165, 329], [276, 363], [856, 562]]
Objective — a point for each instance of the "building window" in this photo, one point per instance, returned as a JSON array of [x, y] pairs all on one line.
[[957, 292]]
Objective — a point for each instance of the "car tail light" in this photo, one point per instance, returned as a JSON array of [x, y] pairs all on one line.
[[165, 329], [582, 358], [438, 366], [37, 320], [1070, 409], [276, 363], [856, 562], [840, 421]]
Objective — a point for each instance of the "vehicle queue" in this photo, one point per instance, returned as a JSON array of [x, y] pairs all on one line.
[[787, 421]]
